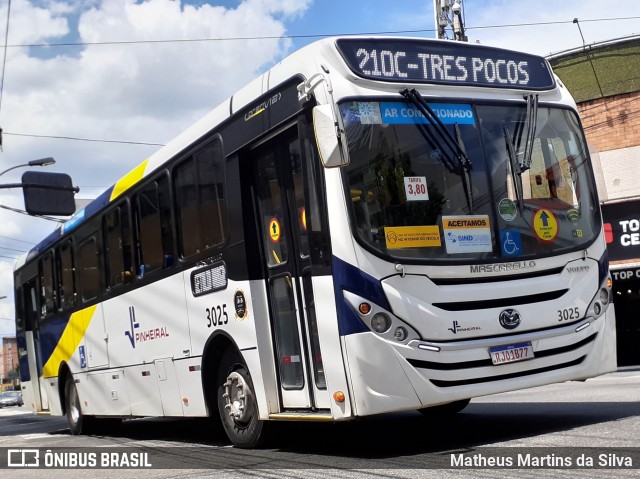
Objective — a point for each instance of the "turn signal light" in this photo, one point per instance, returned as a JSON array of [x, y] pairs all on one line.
[[364, 308], [338, 396]]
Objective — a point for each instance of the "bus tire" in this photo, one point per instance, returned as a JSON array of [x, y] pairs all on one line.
[[445, 409], [78, 422], [237, 405]]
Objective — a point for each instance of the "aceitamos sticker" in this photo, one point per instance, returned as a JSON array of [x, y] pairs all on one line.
[[467, 234]]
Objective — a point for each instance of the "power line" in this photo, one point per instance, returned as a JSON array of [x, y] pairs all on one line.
[[12, 249], [22, 212], [558, 22], [133, 42], [293, 37], [4, 58], [195, 40], [83, 139], [16, 239]]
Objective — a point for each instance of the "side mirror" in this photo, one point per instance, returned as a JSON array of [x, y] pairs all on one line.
[[324, 126], [48, 193]]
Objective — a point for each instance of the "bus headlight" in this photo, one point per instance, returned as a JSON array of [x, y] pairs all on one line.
[[604, 296], [400, 333], [380, 323]]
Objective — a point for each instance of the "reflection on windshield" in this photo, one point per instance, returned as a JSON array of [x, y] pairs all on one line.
[[413, 200], [439, 135]]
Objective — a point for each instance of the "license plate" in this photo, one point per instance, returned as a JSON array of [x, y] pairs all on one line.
[[511, 353]]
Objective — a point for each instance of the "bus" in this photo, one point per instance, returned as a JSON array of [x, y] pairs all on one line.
[[374, 224]]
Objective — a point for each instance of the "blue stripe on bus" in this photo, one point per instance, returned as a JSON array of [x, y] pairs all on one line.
[[349, 278], [51, 330]]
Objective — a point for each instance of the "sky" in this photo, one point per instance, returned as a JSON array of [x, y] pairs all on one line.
[[134, 93]]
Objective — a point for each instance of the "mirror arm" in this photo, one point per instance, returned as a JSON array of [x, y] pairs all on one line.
[[305, 89]]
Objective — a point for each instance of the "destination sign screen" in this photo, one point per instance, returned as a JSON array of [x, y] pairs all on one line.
[[451, 63]]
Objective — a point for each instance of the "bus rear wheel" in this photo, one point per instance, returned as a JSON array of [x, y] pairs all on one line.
[[78, 422], [237, 404]]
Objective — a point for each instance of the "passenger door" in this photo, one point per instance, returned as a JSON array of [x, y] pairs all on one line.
[[31, 312], [286, 192]]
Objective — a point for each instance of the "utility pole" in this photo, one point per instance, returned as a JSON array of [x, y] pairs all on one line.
[[449, 13]]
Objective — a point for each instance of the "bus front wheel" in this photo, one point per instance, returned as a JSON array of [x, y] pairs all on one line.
[[237, 404]]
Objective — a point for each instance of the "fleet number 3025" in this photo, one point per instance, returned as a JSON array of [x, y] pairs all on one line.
[[217, 316], [568, 314]]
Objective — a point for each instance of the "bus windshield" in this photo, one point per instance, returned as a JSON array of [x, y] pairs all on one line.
[[485, 183]]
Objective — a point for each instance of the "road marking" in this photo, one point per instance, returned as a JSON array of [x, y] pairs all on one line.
[[13, 412]]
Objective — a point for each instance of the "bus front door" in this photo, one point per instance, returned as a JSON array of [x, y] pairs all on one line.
[[284, 196], [31, 316]]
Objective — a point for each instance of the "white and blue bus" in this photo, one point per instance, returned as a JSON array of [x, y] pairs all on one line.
[[375, 224]]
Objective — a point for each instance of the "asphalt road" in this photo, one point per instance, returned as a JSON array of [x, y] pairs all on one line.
[[556, 424]]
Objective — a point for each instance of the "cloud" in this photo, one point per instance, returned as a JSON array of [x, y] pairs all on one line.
[[117, 88], [144, 92], [32, 24], [552, 38]]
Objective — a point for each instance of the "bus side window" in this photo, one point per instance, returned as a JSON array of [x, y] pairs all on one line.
[[166, 221], [201, 212], [117, 233], [154, 240], [66, 276], [211, 180], [20, 313], [186, 193], [89, 268], [47, 281], [29, 301], [316, 227]]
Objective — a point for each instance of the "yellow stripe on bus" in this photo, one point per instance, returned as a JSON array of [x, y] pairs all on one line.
[[128, 180], [69, 341]]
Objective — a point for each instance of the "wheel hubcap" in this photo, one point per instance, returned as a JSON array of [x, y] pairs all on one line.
[[238, 398], [74, 406]]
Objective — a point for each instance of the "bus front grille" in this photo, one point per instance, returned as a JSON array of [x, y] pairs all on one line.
[[465, 382], [416, 363]]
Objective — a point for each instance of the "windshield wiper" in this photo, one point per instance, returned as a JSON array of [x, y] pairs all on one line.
[[433, 139], [466, 168], [462, 164], [532, 121], [516, 169], [519, 167]]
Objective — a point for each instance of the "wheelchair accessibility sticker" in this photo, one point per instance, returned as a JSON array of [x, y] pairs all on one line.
[[510, 242]]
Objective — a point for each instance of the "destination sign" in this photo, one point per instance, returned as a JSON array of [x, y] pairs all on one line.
[[451, 63]]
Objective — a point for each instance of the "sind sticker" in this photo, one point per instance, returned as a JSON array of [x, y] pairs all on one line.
[[467, 234], [412, 236]]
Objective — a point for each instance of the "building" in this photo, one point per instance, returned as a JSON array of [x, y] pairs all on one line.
[[9, 361], [604, 79]]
